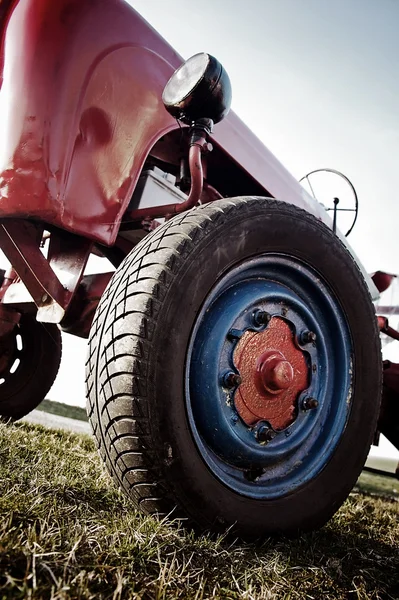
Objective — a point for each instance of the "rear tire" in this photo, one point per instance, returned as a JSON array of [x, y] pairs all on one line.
[[34, 356], [148, 384]]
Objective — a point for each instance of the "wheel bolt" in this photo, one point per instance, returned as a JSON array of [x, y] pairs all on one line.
[[264, 434], [261, 317], [308, 337], [231, 380], [310, 404]]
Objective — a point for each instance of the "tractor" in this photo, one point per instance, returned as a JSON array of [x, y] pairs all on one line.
[[234, 374]]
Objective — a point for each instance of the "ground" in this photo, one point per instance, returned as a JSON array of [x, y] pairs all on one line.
[[67, 532]]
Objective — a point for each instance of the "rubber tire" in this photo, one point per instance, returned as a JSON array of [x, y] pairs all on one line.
[[136, 363], [40, 359]]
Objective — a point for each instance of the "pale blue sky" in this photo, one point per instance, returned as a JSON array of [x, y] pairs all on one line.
[[318, 82]]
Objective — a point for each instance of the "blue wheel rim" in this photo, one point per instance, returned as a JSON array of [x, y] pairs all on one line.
[[287, 288]]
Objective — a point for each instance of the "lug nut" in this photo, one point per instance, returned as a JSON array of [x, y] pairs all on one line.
[[261, 317], [308, 337], [264, 434], [231, 380], [310, 404]]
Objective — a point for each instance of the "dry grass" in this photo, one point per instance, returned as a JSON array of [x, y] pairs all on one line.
[[66, 532]]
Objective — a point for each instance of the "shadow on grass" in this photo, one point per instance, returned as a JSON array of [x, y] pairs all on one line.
[[353, 560], [64, 526], [353, 555]]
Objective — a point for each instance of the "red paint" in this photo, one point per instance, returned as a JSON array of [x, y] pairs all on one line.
[[384, 327], [382, 280], [273, 372], [80, 109]]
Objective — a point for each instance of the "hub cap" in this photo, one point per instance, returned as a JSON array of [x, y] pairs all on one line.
[[273, 372], [268, 376]]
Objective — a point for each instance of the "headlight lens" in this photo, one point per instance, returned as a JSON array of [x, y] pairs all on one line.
[[199, 88], [185, 79]]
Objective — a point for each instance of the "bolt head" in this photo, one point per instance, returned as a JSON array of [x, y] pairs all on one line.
[[231, 380], [308, 337], [310, 404], [261, 317], [264, 434]]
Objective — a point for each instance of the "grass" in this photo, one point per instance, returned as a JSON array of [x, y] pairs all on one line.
[[378, 484], [67, 532], [63, 410]]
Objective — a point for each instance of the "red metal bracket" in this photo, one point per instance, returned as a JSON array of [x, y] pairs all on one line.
[[384, 327], [81, 311], [51, 283]]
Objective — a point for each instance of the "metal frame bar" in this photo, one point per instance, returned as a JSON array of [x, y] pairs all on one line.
[[50, 282]]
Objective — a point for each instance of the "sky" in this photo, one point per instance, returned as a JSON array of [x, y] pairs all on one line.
[[318, 83]]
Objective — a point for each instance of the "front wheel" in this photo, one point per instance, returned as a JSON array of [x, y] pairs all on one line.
[[234, 369]]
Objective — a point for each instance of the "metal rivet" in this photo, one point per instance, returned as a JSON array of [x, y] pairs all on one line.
[[310, 404], [44, 297], [308, 337], [231, 380], [264, 434], [261, 317], [314, 368], [284, 311]]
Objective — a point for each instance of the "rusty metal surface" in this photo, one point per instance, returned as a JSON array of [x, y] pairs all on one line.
[[273, 372]]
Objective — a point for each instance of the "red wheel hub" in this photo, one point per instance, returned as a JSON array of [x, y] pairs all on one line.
[[273, 373]]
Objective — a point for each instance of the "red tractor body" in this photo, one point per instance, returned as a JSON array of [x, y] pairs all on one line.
[[91, 162], [81, 110]]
